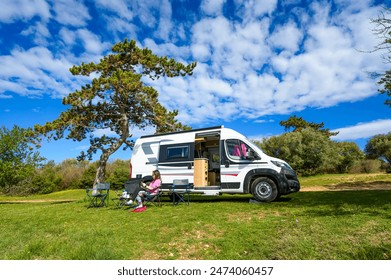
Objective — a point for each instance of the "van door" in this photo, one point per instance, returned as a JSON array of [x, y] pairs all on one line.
[[207, 150], [236, 160]]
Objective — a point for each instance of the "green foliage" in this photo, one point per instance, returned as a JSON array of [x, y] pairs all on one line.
[[348, 154], [118, 173], [46, 180], [310, 151], [383, 31], [379, 146], [305, 150], [298, 124], [71, 172], [18, 159], [116, 100], [88, 176], [368, 166]]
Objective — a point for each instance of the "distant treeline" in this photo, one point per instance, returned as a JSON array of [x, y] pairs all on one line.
[[69, 174]]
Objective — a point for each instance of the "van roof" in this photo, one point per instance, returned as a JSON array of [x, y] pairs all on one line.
[[184, 131]]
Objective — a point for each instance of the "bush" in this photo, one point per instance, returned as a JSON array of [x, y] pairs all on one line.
[[88, 176], [117, 172], [47, 179], [71, 172], [18, 158], [367, 166]]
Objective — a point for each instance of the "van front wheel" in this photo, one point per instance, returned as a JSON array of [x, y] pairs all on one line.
[[264, 189]]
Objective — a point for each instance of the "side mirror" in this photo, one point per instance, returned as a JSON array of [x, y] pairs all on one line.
[[227, 163], [250, 156]]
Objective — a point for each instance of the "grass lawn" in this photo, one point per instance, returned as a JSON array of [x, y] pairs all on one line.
[[316, 225]]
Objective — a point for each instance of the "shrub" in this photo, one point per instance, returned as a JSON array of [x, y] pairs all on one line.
[[71, 172], [88, 176], [46, 179], [117, 172], [367, 166]]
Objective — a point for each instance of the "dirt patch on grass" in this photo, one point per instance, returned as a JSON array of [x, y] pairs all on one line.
[[354, 186]]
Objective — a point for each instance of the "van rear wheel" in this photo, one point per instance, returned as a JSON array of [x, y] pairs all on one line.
[[264, 189]]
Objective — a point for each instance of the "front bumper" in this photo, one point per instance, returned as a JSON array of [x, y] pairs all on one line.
[[292, 182]]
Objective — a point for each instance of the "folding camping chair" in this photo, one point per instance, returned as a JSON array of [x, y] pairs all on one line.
[[131, 188], [180, 191], [154, 199], [98, 195]]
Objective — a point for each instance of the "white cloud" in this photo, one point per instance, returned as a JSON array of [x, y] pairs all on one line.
[[71, 12], [212, 7], [39, 32], [168, 49], [287, 37], [91, 41], [67, 36], [4, 96], [35, 72], [363, 130], [14, 10], [165, 22], [251, 10], [119, 26], [310, 59], [329, 69], [146, 11], [119, 7]]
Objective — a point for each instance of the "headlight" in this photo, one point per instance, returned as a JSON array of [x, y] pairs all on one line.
[[276, 163], [281, 164]]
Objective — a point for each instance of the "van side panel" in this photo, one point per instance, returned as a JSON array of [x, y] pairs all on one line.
[[145, 158]]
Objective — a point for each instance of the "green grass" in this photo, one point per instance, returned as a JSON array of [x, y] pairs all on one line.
[[334, 225], [344, 179]]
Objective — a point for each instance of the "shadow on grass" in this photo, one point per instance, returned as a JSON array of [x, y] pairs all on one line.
[[360, 198], [37, 201], [339, 203], [322, 203]]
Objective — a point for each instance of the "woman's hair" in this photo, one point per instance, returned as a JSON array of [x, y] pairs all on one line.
[[157, 174]]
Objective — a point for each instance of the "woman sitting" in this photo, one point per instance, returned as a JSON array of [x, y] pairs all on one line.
[[151, 190]]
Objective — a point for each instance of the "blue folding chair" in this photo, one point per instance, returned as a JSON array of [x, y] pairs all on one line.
[[99, 195], [180, 191]]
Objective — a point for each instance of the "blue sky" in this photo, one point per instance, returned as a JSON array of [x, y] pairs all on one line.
[[259, 62]]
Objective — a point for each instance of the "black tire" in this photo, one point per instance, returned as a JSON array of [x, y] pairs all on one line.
[[264, 189]]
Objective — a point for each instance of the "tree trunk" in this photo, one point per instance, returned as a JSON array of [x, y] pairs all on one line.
[[100, 174]]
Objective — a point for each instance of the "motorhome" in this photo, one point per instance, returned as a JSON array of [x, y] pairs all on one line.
[[215, 160]]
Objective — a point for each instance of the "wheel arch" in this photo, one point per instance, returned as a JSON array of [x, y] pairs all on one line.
[[256, 173]]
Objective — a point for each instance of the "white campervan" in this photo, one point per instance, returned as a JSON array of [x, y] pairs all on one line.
[[215, 160]]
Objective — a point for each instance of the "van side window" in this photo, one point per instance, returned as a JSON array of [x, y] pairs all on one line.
[[238, 150], [179, 152]]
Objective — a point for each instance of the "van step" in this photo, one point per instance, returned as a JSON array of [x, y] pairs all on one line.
[[211, 193], [208, 188]]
